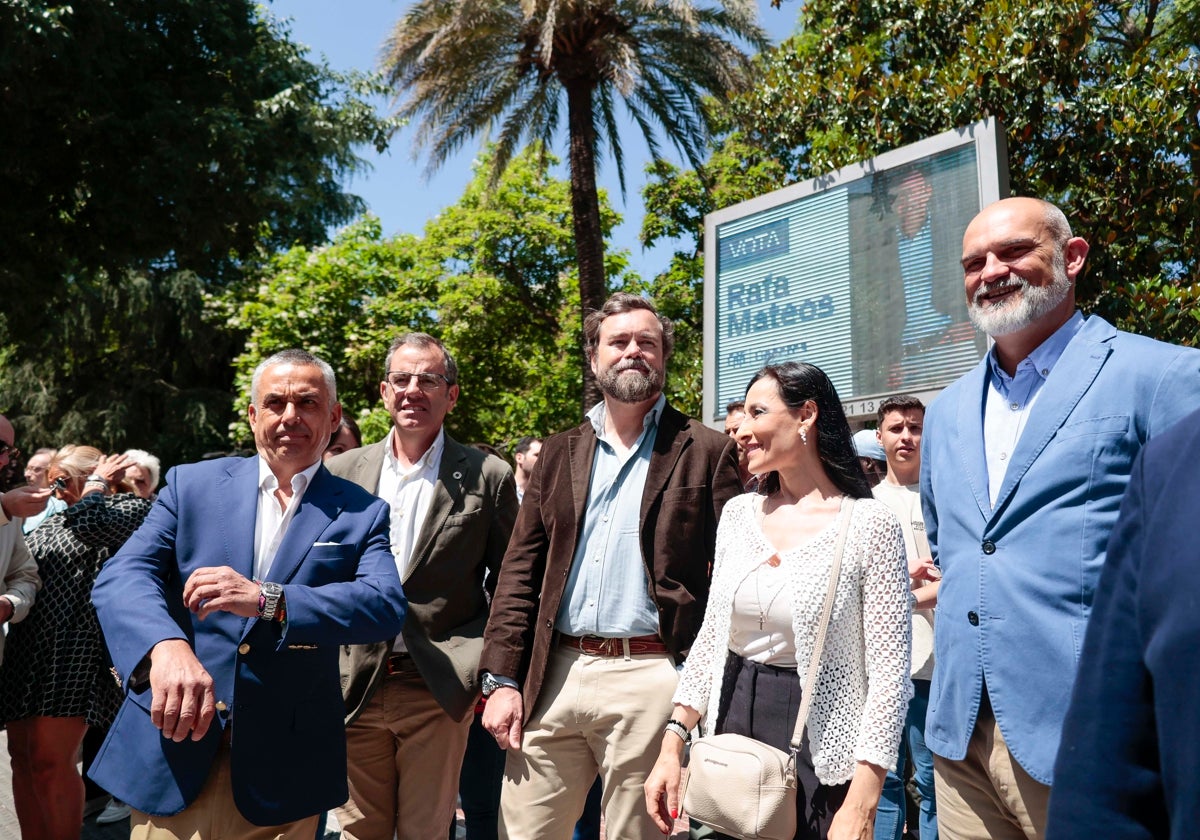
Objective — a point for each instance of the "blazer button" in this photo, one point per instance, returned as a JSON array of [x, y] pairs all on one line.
[[221, 706], [243, 648], [973, 617], [989, 547]]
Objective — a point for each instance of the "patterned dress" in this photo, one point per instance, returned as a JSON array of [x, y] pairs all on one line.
[[55, 663]]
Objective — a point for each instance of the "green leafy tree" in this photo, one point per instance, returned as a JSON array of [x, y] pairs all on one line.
[[493, 276], [467, 67], [151, 151], [165, 134], [127, 361]]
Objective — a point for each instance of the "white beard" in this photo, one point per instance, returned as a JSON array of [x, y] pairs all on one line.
[[1009, 316]]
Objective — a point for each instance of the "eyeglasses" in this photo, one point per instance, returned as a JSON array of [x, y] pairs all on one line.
[[59, 484], [427, 382], [9, 449]]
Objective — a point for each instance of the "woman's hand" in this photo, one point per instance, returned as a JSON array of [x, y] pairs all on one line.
[[112, 468], [855, 820], [662, 785]]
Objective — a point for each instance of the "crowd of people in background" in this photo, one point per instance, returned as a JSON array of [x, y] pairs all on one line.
[[376, 634]]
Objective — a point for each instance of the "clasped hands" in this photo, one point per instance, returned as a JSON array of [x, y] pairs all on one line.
[[182, 700]]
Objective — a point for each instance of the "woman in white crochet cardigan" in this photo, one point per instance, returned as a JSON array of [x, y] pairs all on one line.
[[770, 575]]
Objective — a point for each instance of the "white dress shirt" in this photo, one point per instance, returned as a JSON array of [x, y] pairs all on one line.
[[271, 521], [409, 492], [1010, 399]]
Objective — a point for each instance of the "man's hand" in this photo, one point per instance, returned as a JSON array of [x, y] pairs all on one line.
[[6, 609], [215, 588], [182, 700], [24, 501], [502, 716]]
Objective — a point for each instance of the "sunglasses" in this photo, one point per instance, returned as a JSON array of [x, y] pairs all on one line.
[[59, 484], [9, 449]]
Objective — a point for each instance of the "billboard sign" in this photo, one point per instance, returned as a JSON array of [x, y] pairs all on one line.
[[856, 272]]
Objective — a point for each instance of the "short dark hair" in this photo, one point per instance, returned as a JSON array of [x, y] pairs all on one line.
[[348, 422], [900, 402], [524, 443], [799, 382], [735, 405], [618, 304], [425, 341]]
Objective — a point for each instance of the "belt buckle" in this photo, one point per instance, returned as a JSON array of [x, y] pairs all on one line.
[[596, 645]]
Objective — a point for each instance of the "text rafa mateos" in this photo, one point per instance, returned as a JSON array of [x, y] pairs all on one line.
[[765, 304]]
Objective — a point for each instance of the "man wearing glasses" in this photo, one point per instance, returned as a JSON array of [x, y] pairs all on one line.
[[409, 702]]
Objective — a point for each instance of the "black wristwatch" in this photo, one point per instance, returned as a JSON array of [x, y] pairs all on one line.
[[268, 603]]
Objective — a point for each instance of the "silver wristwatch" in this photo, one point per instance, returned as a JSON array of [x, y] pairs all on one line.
[[271, 593], [490, 684]]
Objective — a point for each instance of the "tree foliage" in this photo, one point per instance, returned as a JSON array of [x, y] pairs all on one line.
[[166, 134], [151, 150], [1099, 101], [473, 66], [492, 276]]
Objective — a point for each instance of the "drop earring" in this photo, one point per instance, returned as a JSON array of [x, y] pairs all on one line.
[[804, 437]]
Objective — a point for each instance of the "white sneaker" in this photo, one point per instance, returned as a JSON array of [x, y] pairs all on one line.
[[114, 812]]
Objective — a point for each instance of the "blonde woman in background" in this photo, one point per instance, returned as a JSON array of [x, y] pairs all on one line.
[[55, 680]]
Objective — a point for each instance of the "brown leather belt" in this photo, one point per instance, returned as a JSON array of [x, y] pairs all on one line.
[[600, 646], [400, 663]]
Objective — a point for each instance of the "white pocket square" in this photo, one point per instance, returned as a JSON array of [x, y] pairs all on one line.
[[319, 544]]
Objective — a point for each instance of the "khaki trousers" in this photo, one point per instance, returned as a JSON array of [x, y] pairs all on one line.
[[403, 754], [213, 816], [988, 795], [595, 714]]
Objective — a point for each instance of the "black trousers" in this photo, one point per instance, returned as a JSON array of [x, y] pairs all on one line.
[[762, 702]]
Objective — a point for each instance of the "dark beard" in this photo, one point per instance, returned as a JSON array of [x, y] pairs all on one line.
[[646, 383]]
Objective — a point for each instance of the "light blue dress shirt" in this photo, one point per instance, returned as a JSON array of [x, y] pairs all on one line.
[[1010, 399], [608, 590]]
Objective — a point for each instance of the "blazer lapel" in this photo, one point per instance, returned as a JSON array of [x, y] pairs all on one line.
[[447, 496], [669, 444], [582, 449], [319, 506], [237, 510], [970, 440], [1070, 379], [369, 465]]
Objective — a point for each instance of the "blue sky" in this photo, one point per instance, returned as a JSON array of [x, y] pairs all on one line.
[[350, 34]]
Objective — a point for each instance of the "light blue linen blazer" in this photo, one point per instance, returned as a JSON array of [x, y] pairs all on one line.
[[1019, 577]]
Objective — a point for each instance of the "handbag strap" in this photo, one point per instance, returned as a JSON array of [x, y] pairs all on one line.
[[814, 664]]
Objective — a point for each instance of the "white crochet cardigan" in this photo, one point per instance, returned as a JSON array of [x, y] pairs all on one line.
[[863, 686]]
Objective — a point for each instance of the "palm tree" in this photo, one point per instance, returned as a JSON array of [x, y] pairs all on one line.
[[465, 67]]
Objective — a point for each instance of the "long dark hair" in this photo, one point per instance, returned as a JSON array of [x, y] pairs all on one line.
[[799, 382]]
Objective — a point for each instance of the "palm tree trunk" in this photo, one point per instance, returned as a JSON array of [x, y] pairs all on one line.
[[585, 210]]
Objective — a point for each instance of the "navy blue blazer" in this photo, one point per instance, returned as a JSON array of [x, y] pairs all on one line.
[[278, 689], [1129, 764]]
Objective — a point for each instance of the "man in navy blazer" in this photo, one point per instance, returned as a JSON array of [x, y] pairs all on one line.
[[225, 613], [1024, 463], [1129, 764]]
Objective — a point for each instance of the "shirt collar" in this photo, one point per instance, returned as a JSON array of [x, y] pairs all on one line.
[[599, 412], [1043, 358], [300, 481], [433, 454]]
